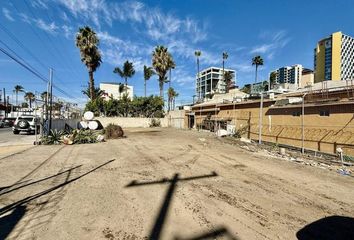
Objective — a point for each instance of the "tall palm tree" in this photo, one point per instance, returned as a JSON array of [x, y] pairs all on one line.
[[148, 72], [197, 54], [17, 89], [258, 61], [87, 41], [224, 57], [171, 65], [127, 72], [44, 95], [228, 80], [29, 97], [172, 94], [162, 62]]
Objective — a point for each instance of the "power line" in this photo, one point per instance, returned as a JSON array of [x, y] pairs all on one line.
[[33, 71]]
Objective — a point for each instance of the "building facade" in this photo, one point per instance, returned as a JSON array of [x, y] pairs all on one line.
[[288, 74], [115, 90], [208, 81], [334, 58]]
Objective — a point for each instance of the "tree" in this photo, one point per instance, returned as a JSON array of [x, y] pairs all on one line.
[[246, 88], [29, 97], [197, 54], [87, 41], [228, 80], [17, 89], [172, 94], [162, 62], [44, 95], [272, 79], [97, 92], [148, 72], [127, 72], [258, 61]]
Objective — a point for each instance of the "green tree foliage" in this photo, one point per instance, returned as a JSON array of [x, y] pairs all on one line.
[[162, 62], [257, 61], [17, 89], [126, 72], [151, 106], [87, 42], [29, 97]]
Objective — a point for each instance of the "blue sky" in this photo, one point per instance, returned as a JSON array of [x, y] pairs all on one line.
[[282, 32]]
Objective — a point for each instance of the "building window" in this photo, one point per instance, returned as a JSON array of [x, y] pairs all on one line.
[[324, 113]]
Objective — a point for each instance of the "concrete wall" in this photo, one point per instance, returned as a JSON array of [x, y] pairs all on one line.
[[177, 119], [59, 124], [127, 122]]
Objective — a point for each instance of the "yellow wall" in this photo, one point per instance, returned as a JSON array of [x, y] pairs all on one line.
[[336, 55], [320, 62]]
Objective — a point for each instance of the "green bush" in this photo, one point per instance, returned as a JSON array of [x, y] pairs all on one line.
[[84, 136], [54, 137], [151, 106]]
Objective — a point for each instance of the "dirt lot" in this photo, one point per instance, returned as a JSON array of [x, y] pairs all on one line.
[[168, 184]]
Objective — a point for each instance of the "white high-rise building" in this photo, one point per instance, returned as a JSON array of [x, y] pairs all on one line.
[[207, 81]]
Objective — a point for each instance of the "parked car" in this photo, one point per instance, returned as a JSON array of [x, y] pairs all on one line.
[[26, 123], [2, 124], [9, 122]]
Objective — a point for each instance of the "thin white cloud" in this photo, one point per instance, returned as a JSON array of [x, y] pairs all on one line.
[[276, 41], [39, 4], [7, 14], [157, 25], [48, 27]]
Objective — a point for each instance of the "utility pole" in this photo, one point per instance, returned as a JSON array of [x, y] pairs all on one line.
[[5, 103], [303, 125], [260, 120], [51, 98]]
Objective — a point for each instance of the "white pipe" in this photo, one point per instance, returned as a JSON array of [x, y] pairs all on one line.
[[260, 120]]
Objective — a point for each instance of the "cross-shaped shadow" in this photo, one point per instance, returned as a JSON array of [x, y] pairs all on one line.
[[156, 230]]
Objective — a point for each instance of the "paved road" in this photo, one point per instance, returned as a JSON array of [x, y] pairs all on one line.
[[8, 138]]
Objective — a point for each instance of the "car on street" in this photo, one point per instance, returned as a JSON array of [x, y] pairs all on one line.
[[2, 124], [9, 122], [26, 123]]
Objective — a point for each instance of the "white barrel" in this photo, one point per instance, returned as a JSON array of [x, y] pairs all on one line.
[[88, 116], [93, 125], [83, 125]]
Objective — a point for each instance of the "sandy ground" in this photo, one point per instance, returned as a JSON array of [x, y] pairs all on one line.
[[166, 184]]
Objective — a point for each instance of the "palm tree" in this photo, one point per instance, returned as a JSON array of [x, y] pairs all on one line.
[[97, 92], [87, 41], [258, 61], [172, 94], [127, 72], [148, 72], [17, 89], [162, 62], [44, 95], [228, 80], [272, 79], [29, 97], [171, 65], [197, 54]]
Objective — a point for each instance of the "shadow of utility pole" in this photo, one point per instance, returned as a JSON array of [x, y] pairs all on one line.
[[24, 201], [155, 232]]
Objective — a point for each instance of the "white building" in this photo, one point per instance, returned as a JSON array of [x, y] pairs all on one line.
[[116, 90], [292, 77], [207, 81]]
